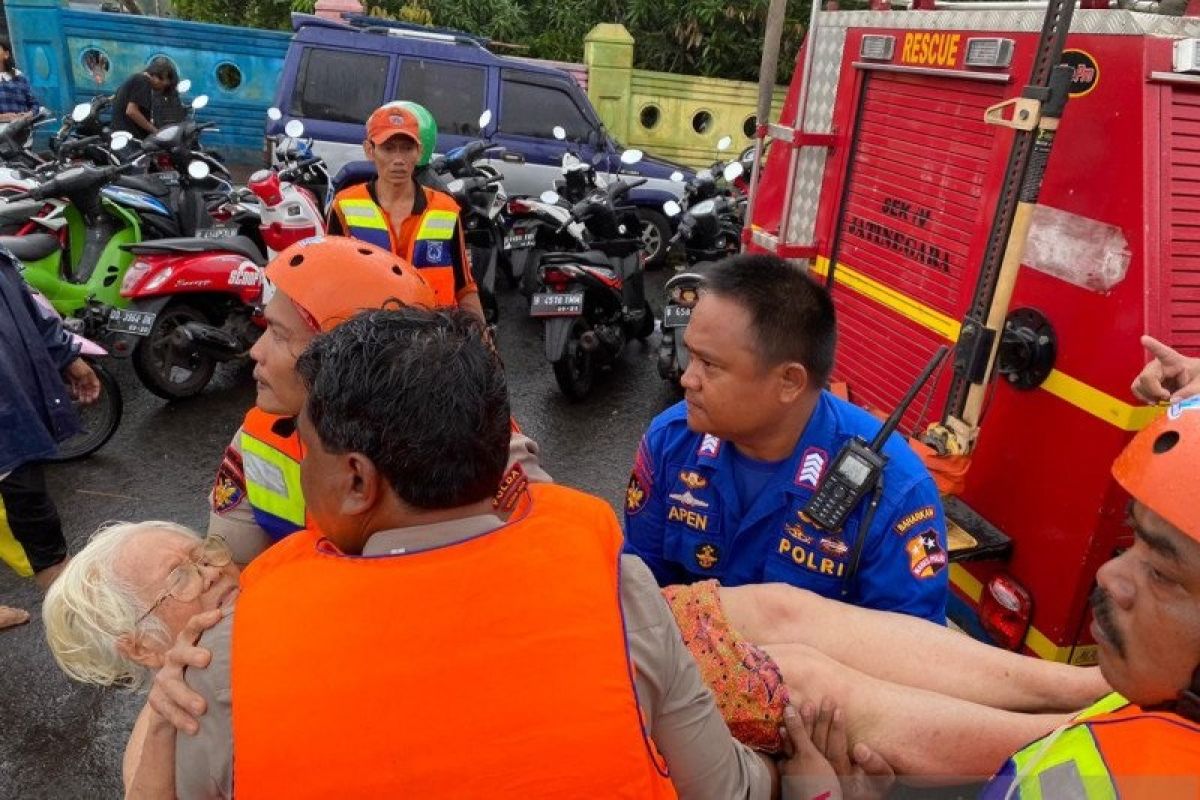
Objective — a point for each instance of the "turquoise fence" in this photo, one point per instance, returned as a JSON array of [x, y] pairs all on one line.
[[71, 55]]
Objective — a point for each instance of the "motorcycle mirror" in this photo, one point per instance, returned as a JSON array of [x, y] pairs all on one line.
[[485, 119], [631, 156], [81, 112], [294, 129], [704, 208], [199, 170], [672, 209], [184, 86], [274, 114], [704, 175], [121, 139], [200, 102], [560, 133], [724, 143], [550, 197], [733, 170], [677, 176], [455, 186]]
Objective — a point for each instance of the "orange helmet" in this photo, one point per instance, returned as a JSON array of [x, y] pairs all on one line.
[[1160, 466], [332, 278]]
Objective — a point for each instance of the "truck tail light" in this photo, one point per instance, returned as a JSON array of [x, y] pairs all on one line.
[[877, 48], [1005, 611], [990, 52]]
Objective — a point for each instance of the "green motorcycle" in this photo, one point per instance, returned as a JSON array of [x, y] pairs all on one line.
[[80, 273]]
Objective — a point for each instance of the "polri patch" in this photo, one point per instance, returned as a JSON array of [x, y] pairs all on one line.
[[926, 557], [635, 494], [707, 555], [229, 489]]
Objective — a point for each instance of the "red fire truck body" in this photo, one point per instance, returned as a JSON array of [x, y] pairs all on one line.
[[890, 181]]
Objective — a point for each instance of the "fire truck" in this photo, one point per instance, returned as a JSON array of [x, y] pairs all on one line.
[[885, 175]]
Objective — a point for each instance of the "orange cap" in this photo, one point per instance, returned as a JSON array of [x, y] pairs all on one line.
[[1160, 467], [332, 278], [393, 120]]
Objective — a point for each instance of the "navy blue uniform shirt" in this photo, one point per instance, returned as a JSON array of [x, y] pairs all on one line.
[[684, 518]]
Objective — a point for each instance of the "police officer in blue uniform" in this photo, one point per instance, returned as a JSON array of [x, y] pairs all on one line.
[[720, 479]]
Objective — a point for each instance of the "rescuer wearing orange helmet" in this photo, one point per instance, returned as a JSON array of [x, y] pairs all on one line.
[[394, 212], [256, 498], [446, 629], [1143, 740]]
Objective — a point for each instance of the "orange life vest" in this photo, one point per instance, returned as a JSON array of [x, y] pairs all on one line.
[[1112, 749], [496, 667], [271, 464], [427, 243]]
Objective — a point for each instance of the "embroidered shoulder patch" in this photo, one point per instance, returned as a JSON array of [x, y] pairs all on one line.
[[229, 489]]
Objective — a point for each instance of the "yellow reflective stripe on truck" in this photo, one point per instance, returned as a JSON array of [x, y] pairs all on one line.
[[1079, 394]]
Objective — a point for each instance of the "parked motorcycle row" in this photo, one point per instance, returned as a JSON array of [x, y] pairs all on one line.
[[148, 251]]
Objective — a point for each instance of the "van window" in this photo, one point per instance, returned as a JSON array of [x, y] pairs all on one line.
[[533, 109], [339, 86], [452, 93]]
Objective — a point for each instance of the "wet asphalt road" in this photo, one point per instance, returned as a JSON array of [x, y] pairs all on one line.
[[59, 739]]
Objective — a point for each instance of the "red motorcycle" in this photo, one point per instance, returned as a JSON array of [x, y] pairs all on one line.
[[198, 302]]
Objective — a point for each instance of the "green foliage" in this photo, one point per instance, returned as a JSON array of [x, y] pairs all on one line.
[[696, 37]]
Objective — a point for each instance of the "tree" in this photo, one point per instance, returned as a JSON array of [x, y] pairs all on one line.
[[697, 37]]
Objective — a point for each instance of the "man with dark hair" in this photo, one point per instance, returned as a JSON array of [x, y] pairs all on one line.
[[721, 480], [133, 103], [437, 596]]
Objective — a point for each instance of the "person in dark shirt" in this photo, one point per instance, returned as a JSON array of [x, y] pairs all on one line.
[[134, 101], [16, 97]]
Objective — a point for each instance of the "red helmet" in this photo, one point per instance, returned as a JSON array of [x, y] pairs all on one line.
[[1160, 467]]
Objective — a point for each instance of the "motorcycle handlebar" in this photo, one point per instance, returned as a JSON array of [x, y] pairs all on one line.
[[293, 171]]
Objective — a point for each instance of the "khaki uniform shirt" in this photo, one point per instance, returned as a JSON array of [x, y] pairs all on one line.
[[705, 761], [231, 517]]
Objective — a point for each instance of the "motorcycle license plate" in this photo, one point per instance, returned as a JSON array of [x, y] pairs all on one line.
[[135, 323], [557, 305], [517, 242], [676, 316], [216, 233]]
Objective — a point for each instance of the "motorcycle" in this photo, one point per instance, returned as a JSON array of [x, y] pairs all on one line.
[[477, 189], [592, 300], [710, 230], [76, 260], [98, 420], [197, 302]]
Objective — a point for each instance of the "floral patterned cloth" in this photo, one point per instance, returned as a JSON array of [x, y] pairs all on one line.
[[746, 682]]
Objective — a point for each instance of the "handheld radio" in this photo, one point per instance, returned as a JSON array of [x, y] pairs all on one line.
[[858, 467]]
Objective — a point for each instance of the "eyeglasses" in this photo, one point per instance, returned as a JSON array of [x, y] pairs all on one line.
[[186, 582]]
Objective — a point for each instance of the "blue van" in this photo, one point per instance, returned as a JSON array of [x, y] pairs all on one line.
[[337, 73]]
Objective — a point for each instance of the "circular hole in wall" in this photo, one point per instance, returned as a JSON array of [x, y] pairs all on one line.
[[649, 117], [96, 63], [229, 76], [702, 122]]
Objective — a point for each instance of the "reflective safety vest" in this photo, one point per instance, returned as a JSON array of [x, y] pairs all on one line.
[[1113, 749], [494, 668], [431, 249], [271, 463]]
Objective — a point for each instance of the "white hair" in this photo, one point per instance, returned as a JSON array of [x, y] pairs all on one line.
[[88, 609]]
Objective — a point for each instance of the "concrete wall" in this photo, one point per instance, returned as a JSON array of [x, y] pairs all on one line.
[[680, 117]]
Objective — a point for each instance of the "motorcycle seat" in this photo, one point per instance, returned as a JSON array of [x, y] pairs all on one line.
[[19, 211], [241, 245], [589, 257], [32, 247], [142, 183]]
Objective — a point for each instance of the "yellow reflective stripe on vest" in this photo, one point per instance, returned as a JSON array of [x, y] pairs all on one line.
[[437, 225], [363, 214], [1065, 764], [272, 480], [1105, 705]]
